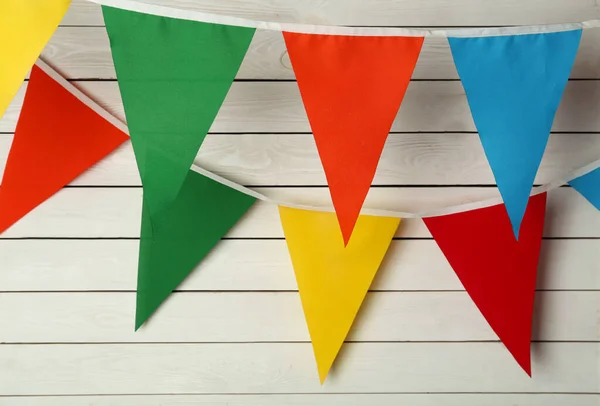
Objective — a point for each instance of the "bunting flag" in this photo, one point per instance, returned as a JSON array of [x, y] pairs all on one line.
[[352, 88], [588, 186], [333, 278], [25, 28], [497, 271], [57, 138], [514, 84], [180, 236], [173, 75]]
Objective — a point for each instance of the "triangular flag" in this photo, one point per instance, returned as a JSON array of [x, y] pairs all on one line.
[[514, 84], [173, 75], [25, 28], [589, 186], [333, 279], [352, 88], [57, 138], [497, 271], [180, 236]]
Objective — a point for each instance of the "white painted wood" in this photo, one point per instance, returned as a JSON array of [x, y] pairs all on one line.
[[375, 12], [277, 107], [293, 159], [253, 374], [410, 265], [277, 317], [420, 399], [290, 368], [84, 52], [115, 212]]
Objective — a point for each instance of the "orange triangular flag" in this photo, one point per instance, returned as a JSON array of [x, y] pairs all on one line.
[[333, 279], [57, 138], [352, 88]]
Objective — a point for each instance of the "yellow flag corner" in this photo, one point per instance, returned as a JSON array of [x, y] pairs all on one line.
[[25, 28]]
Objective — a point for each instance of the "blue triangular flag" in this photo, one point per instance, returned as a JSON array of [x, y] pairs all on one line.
[[514, 84], [589, 186]]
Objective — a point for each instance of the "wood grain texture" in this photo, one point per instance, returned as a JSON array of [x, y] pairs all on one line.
[[277, 107], [420, 399], [289, 368], [375, 12], [262, 265], [238, 317], [115, 212], [84, 52], [79, 289], [293, 159]]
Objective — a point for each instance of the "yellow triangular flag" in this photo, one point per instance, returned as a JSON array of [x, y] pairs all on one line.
[[25, 28], [332, 279]]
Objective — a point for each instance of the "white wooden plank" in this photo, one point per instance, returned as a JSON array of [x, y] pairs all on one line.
[[293, 159], [375, 12], [420, 399], [115, 212], [84, 52], [277, 317], [277, 107], [290, 368], [410, 265]]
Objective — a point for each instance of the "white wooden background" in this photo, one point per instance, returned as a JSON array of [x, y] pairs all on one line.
[[234, 332]]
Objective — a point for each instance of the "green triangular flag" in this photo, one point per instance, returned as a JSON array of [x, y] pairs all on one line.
[[173, 75], [181, 236]]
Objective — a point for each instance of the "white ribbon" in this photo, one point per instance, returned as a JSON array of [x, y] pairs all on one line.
[[242, 189], [191, 15]]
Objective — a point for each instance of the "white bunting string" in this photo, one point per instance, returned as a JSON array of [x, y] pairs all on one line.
[[242, 189], [199, 16]]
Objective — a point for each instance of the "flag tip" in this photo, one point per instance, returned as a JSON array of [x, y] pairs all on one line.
[[526, 367], [516, 227], [323, 376], [524, 360], [347, 230], [324, 364], [139, 321]]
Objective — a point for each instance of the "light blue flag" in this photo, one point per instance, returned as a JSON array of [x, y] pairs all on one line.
[[514, 84], [589, 186]]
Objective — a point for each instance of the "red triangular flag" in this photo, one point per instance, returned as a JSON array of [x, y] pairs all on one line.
[[352, 88], [497, 271], [57, 138]]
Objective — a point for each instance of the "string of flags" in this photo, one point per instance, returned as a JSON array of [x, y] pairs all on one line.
[[174, 70]]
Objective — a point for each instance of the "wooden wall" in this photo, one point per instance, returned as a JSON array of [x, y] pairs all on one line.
[[234, 332]]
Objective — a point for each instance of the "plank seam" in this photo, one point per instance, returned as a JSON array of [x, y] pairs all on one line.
[[240, 238], [233, 291], [197, 343], [298, 394]]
